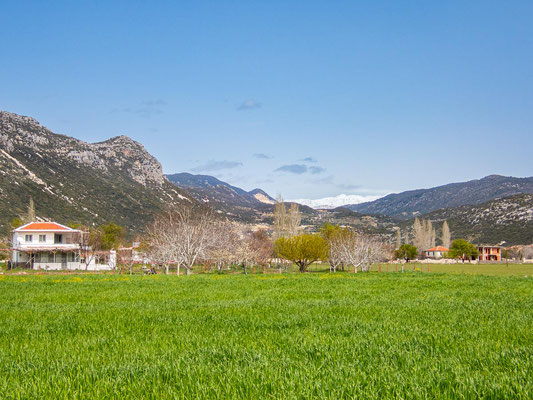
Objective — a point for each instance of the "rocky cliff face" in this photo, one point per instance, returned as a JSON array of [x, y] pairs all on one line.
[[122, 153], [71, 180]]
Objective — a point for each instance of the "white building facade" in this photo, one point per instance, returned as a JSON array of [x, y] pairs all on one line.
[[52, 246], [436, 252]]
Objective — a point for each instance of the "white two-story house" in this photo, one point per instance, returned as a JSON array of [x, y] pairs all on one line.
[[50, 246]]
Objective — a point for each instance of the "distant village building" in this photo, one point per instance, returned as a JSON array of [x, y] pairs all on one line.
[[435, 252], [52, 246], [489, 253]]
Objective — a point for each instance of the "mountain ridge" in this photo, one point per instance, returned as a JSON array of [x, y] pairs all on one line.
[[72, 180], [118, 180], [508, 219], [421, 201], [235, 202]]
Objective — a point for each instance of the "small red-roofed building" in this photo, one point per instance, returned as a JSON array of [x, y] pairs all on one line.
[[49, 246], [436, 252]]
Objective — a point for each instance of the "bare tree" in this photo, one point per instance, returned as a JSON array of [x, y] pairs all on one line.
[[90, 243], [263, 248], [224, 241], [360, 250], [334, 236], [398, 238], [294, 220], [280, 218], [528, 252], [125, 258], [446, 236], [336, 255], [245, 253], [424, 234], [182, 235], [418, 234], [163, 248], [431, 233]]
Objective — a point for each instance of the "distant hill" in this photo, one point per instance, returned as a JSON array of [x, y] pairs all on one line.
[[191, 181], [508, 220], [416, 202], [71, 180], [257, 207], [236, 203], [118, 180]]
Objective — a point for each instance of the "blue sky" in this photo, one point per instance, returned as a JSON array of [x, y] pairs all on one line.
[[303, 98]]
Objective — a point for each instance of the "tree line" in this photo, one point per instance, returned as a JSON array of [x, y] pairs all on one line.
[[187, 235]]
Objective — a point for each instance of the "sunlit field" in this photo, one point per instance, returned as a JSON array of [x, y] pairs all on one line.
[[451, 268], [318, 335]]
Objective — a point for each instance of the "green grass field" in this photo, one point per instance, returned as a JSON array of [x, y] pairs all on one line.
[[452, 268], [411, 335]]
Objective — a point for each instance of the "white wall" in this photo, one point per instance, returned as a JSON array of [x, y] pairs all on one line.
[[19, 238], [72, 266]]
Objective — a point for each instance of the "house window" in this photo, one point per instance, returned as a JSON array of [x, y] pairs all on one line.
[[28, 238], [58, 238], [44, 257], [42, 238]]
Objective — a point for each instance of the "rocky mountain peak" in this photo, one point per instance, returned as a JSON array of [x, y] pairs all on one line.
[[9, 117], [28, 138], [72, 180], [131, 156]]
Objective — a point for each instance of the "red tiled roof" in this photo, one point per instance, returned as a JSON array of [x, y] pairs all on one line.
[[49, 226], [438, 248]]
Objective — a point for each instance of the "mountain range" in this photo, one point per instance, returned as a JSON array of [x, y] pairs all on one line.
[[236, 203], [411, 203], [118, 180], [508, 220]]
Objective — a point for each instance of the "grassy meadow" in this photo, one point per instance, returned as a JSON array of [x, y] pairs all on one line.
[[412, 336], [503, 269]]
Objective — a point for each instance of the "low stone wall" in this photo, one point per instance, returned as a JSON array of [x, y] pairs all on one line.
[[71, 266]]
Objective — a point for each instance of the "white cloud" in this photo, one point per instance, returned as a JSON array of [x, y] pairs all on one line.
[[214, 165], [249, 104]]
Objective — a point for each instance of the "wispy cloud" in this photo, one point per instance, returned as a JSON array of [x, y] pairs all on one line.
[[293, 169], [249, 104], [263, 156], [327, 180], [268, 180], [145, 109], [309, 160], [214, 165], [348, 186], [316, 170], [300, 169]]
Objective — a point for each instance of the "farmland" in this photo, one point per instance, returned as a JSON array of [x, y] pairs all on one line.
[[317, 335]]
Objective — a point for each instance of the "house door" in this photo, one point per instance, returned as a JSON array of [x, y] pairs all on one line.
[[64, 261]]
